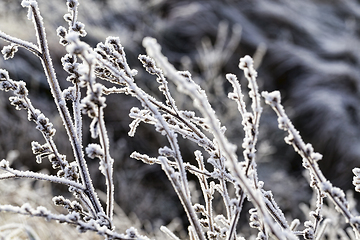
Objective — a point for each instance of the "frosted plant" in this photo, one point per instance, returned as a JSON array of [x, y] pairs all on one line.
[[219, 169]]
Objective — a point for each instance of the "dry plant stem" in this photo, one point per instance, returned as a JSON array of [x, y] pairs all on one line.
[[175, 112], [21, 43], [74, 14], [208, 145], [104, 142], [183, 191], [77, 111], [34, 114], [223, 177], [251, 125], [13, 173], [169, 233], [202, 178], [26, 209], [250, 120], [76, 103], [235, 218], [184, 199], [254, 94], [206, 191], [64, 112], [44, 55], [273, 99], [251, 129], [224, 191], [227, 149], [188, 167], [176, 149], [317, 213], [49, 139]]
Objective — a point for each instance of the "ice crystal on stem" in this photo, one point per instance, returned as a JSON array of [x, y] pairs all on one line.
[[318, 181], [9, 51]]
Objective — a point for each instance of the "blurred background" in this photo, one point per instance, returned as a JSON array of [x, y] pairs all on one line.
[[307, 49]]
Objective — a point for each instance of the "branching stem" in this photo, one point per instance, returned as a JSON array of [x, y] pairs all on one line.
[[63, 110]]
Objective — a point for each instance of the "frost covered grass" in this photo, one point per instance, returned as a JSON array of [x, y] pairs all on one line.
[[222, 174]]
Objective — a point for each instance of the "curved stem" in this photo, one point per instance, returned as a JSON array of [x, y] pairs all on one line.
[[21, 43], [13, 173]]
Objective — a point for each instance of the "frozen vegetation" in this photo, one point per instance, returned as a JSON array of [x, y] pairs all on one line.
[[203, 130]]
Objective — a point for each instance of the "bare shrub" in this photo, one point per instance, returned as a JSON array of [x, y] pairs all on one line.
[[223, 176]]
